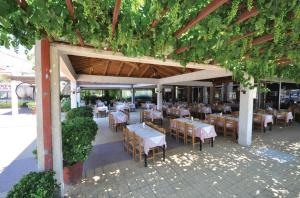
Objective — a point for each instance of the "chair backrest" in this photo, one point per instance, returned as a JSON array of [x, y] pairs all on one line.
[[137, 140], [260, 111], [173, 123], [189, 128], [211, 119], [130, 135], [220, 121], [180, 126], [162, 130], [281, 115], [257, 118], [231, 123], [125, 134], [235, 113]]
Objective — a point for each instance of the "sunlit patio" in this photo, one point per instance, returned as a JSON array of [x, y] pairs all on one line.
[[268, 168]]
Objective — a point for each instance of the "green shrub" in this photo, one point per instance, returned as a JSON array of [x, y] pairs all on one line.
[[31, 105], [5, 104], [65, 104], [77, 136], [80, 112], [35, 184]]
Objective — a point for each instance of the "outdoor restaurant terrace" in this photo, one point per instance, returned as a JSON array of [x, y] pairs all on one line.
[[207, 65]]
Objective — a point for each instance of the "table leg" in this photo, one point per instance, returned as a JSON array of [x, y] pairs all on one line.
[[264, 129], [145, 158], [200, 145], [211, 142], [164, 152], [270, 126]]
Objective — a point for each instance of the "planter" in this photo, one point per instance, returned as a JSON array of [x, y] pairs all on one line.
[[73, 174]]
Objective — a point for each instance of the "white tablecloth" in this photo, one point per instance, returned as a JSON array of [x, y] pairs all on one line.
[[202, 130], [148, 105], [119, 117], [153, 114], [102, 108], [151, 137], [289, 117], [204, 109], [267, 118]]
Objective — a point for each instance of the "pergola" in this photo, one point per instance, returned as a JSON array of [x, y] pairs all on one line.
[[84, 63]]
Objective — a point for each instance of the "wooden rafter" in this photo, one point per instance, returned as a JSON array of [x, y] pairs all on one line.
[[182, 49], [116, 15], [156, 21], [237, 38], [72, 14], [131, 71], [247, 14], [132, 64], [120, 69], [169, 70], [144, 71], [215, 4], [106, 68], [284, 61], [160, 70], [262, 39]]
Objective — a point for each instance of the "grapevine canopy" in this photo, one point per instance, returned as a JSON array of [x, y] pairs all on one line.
[[259, 38]]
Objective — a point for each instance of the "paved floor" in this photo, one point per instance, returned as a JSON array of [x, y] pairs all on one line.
[[17, 140], [269, 168]]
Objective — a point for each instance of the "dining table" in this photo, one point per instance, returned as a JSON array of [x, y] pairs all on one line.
[[119, 117], [268, 119], [151, 138], [202, 130], [154, 114]]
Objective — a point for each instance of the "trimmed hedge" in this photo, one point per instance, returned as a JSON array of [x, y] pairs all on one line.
[[80, 112], [35, 184]]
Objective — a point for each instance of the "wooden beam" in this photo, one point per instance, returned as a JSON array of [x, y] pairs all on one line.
[[120, 69], [215, 4], [116, 15], [72, 14], [144, 71], [156, 22], [262, 39], [247, 14], [67, 68], [182, 49], [106, 68], [115, 79], [132, 65], [237, 38], [109, 55], [198, 75], [131, 71], [160, 70]]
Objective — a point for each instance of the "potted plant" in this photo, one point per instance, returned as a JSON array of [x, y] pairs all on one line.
[[77, 136], [35, 184]]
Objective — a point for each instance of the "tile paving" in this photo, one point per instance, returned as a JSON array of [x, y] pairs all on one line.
[[226, 170]]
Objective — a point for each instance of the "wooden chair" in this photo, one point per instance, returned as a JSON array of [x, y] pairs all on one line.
[[181, 132], [260, 111], [142, 115], [139, 149], [281, 117], [258, 121], [131, 143], [221, 124], [111, 121], [173, 128], [231, 126], [125, 139], [235, 114], [147, 116], [190, 134], [211, 119]]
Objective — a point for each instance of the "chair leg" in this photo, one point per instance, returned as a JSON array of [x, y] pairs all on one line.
[[193, 141]]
